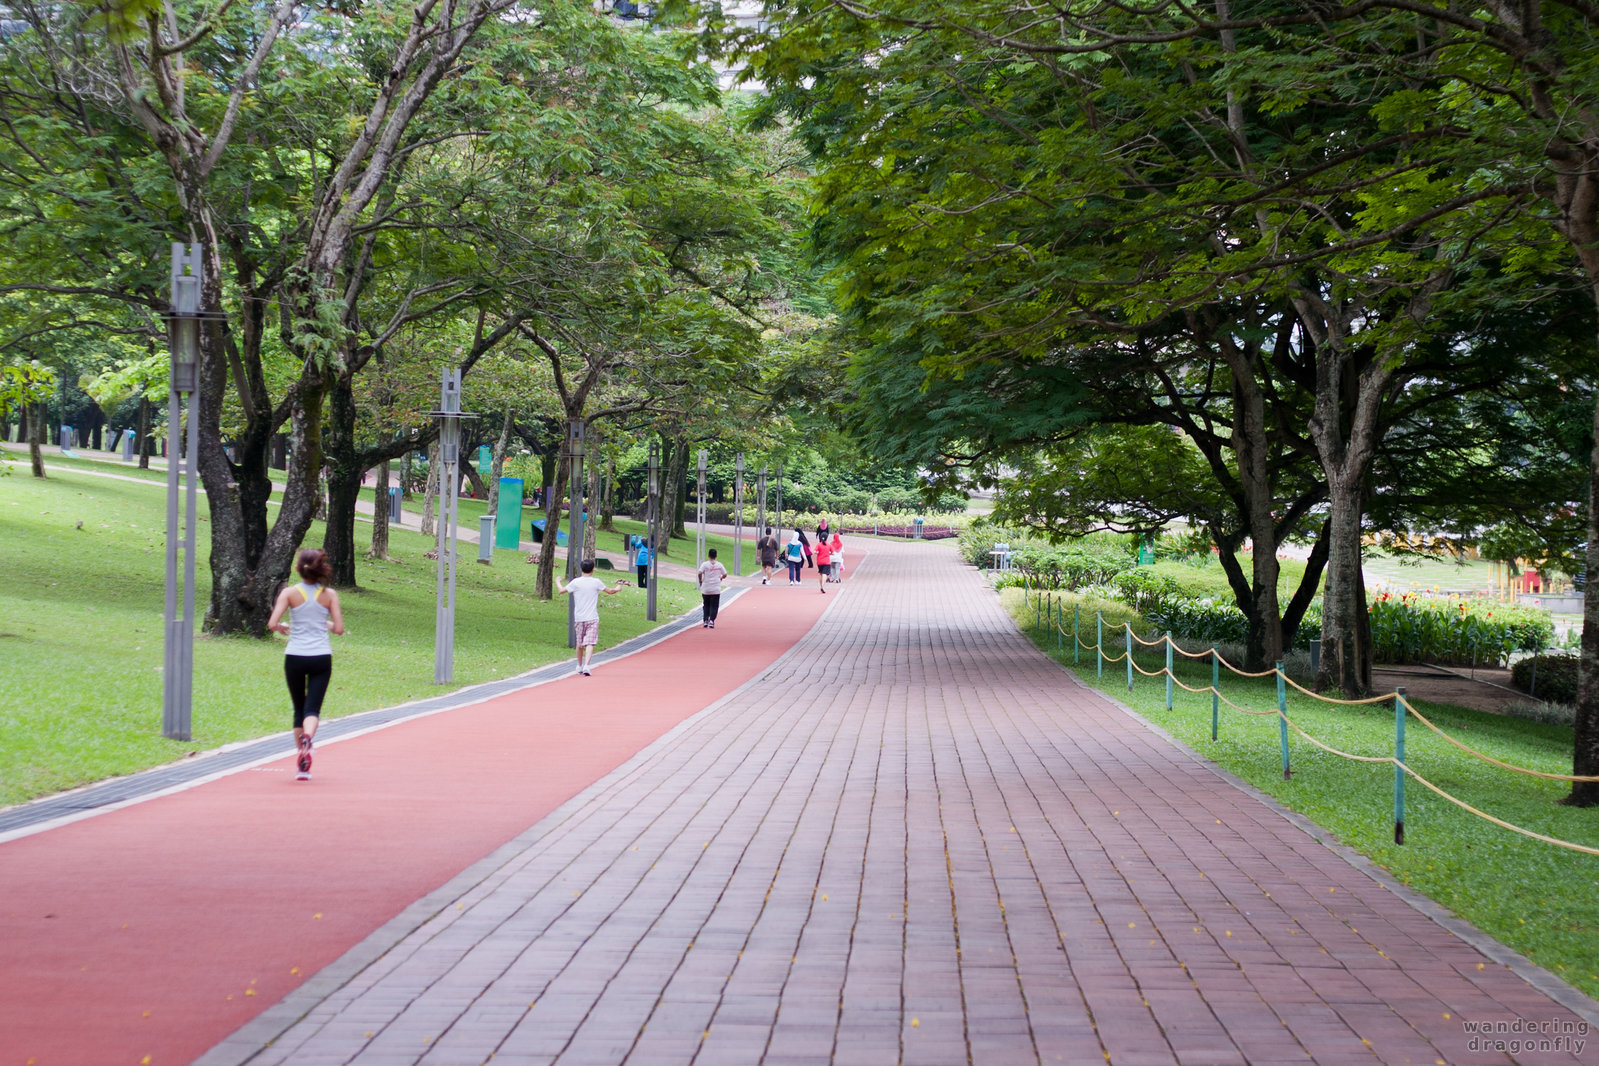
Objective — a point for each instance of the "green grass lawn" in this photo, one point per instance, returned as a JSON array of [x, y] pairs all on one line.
[[1431, 576], [1540, 899], [81, 634], [1205, 576]]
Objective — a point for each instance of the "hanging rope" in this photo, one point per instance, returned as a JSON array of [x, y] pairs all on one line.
[[1489, 758], [1463, 805]]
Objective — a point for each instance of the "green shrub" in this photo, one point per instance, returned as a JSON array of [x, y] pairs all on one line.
[[1204, 621], [1557, 677], [1415, 629]]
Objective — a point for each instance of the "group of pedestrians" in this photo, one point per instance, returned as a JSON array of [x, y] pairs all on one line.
[[826, 555], [309, 612]]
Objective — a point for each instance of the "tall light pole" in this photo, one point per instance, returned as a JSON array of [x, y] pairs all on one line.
[[760, 502], [177, 671], [574, 533], [654, 518], [699, 542], [738, 514], [449, 415], [780, 495]]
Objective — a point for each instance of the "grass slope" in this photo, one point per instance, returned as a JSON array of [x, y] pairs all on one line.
[[1541, 900], [81, 634]]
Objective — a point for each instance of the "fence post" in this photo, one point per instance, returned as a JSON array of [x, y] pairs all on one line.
[[1169, 675], [1099, 641], [1399, 765], [1059, 607], [1077, 643], [1129, 627], [1282, 716], [1215, 690]]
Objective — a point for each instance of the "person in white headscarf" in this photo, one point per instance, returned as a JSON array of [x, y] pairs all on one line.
[[794, 556]]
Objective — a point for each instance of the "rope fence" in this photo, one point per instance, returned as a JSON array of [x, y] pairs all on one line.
[[1050, 610]]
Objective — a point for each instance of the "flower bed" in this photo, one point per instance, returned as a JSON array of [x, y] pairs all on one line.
[[928, 532]]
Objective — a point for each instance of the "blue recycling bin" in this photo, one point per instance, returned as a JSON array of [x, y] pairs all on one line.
[[537, 527]]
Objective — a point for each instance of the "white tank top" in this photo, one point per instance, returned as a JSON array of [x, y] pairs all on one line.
[[308, 625]]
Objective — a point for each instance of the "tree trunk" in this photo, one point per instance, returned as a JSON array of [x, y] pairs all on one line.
[[497, 465], [35, 420], [468, 469], [380, 514], [1342, 661], [249, 560], [590, 527], [405, 476], [430, 493], [680, 483], [547, 471], [672, 491], [344, 483], [141, 437], [544, 585], [608, 498], [1585, 741]]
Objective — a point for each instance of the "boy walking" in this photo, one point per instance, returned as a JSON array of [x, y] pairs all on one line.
[[711, 574], [585, 592]]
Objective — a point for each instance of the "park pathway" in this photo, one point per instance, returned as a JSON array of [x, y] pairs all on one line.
[[144, 931], [913, 839]]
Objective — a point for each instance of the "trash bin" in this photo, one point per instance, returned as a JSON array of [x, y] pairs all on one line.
[[394, 504], [916, 527], [485, 538]]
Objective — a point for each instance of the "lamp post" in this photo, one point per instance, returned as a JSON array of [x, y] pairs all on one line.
[[738, 514], [760, 502], [574, 534], [654, 516], [449, 415], [177, 672], [779, 497]]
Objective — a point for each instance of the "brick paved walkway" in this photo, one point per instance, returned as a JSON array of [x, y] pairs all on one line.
[[914, 839]]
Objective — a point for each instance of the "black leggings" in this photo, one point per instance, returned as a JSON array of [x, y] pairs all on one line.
[[308, 677], [713, 603]]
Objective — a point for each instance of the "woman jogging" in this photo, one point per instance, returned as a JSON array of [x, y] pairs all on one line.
[[314, 612]]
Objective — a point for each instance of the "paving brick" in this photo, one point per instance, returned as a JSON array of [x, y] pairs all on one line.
[[914, 839]]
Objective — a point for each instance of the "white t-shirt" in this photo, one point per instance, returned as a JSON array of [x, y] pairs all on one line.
[[585, 592], [711, 575]]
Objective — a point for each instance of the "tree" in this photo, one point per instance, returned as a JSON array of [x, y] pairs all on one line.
[[247, 130]]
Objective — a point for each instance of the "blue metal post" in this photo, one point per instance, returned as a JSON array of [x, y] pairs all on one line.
[[1215, 690], [1077, 643], [1399, 765], [1282, 715], [1099, 641], [1169, 674], [1129, 655], [1059, 607]]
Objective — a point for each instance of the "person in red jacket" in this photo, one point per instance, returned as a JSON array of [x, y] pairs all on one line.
[[824, 562]]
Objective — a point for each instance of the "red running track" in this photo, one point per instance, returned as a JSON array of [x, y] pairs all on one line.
[[146, 935]]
